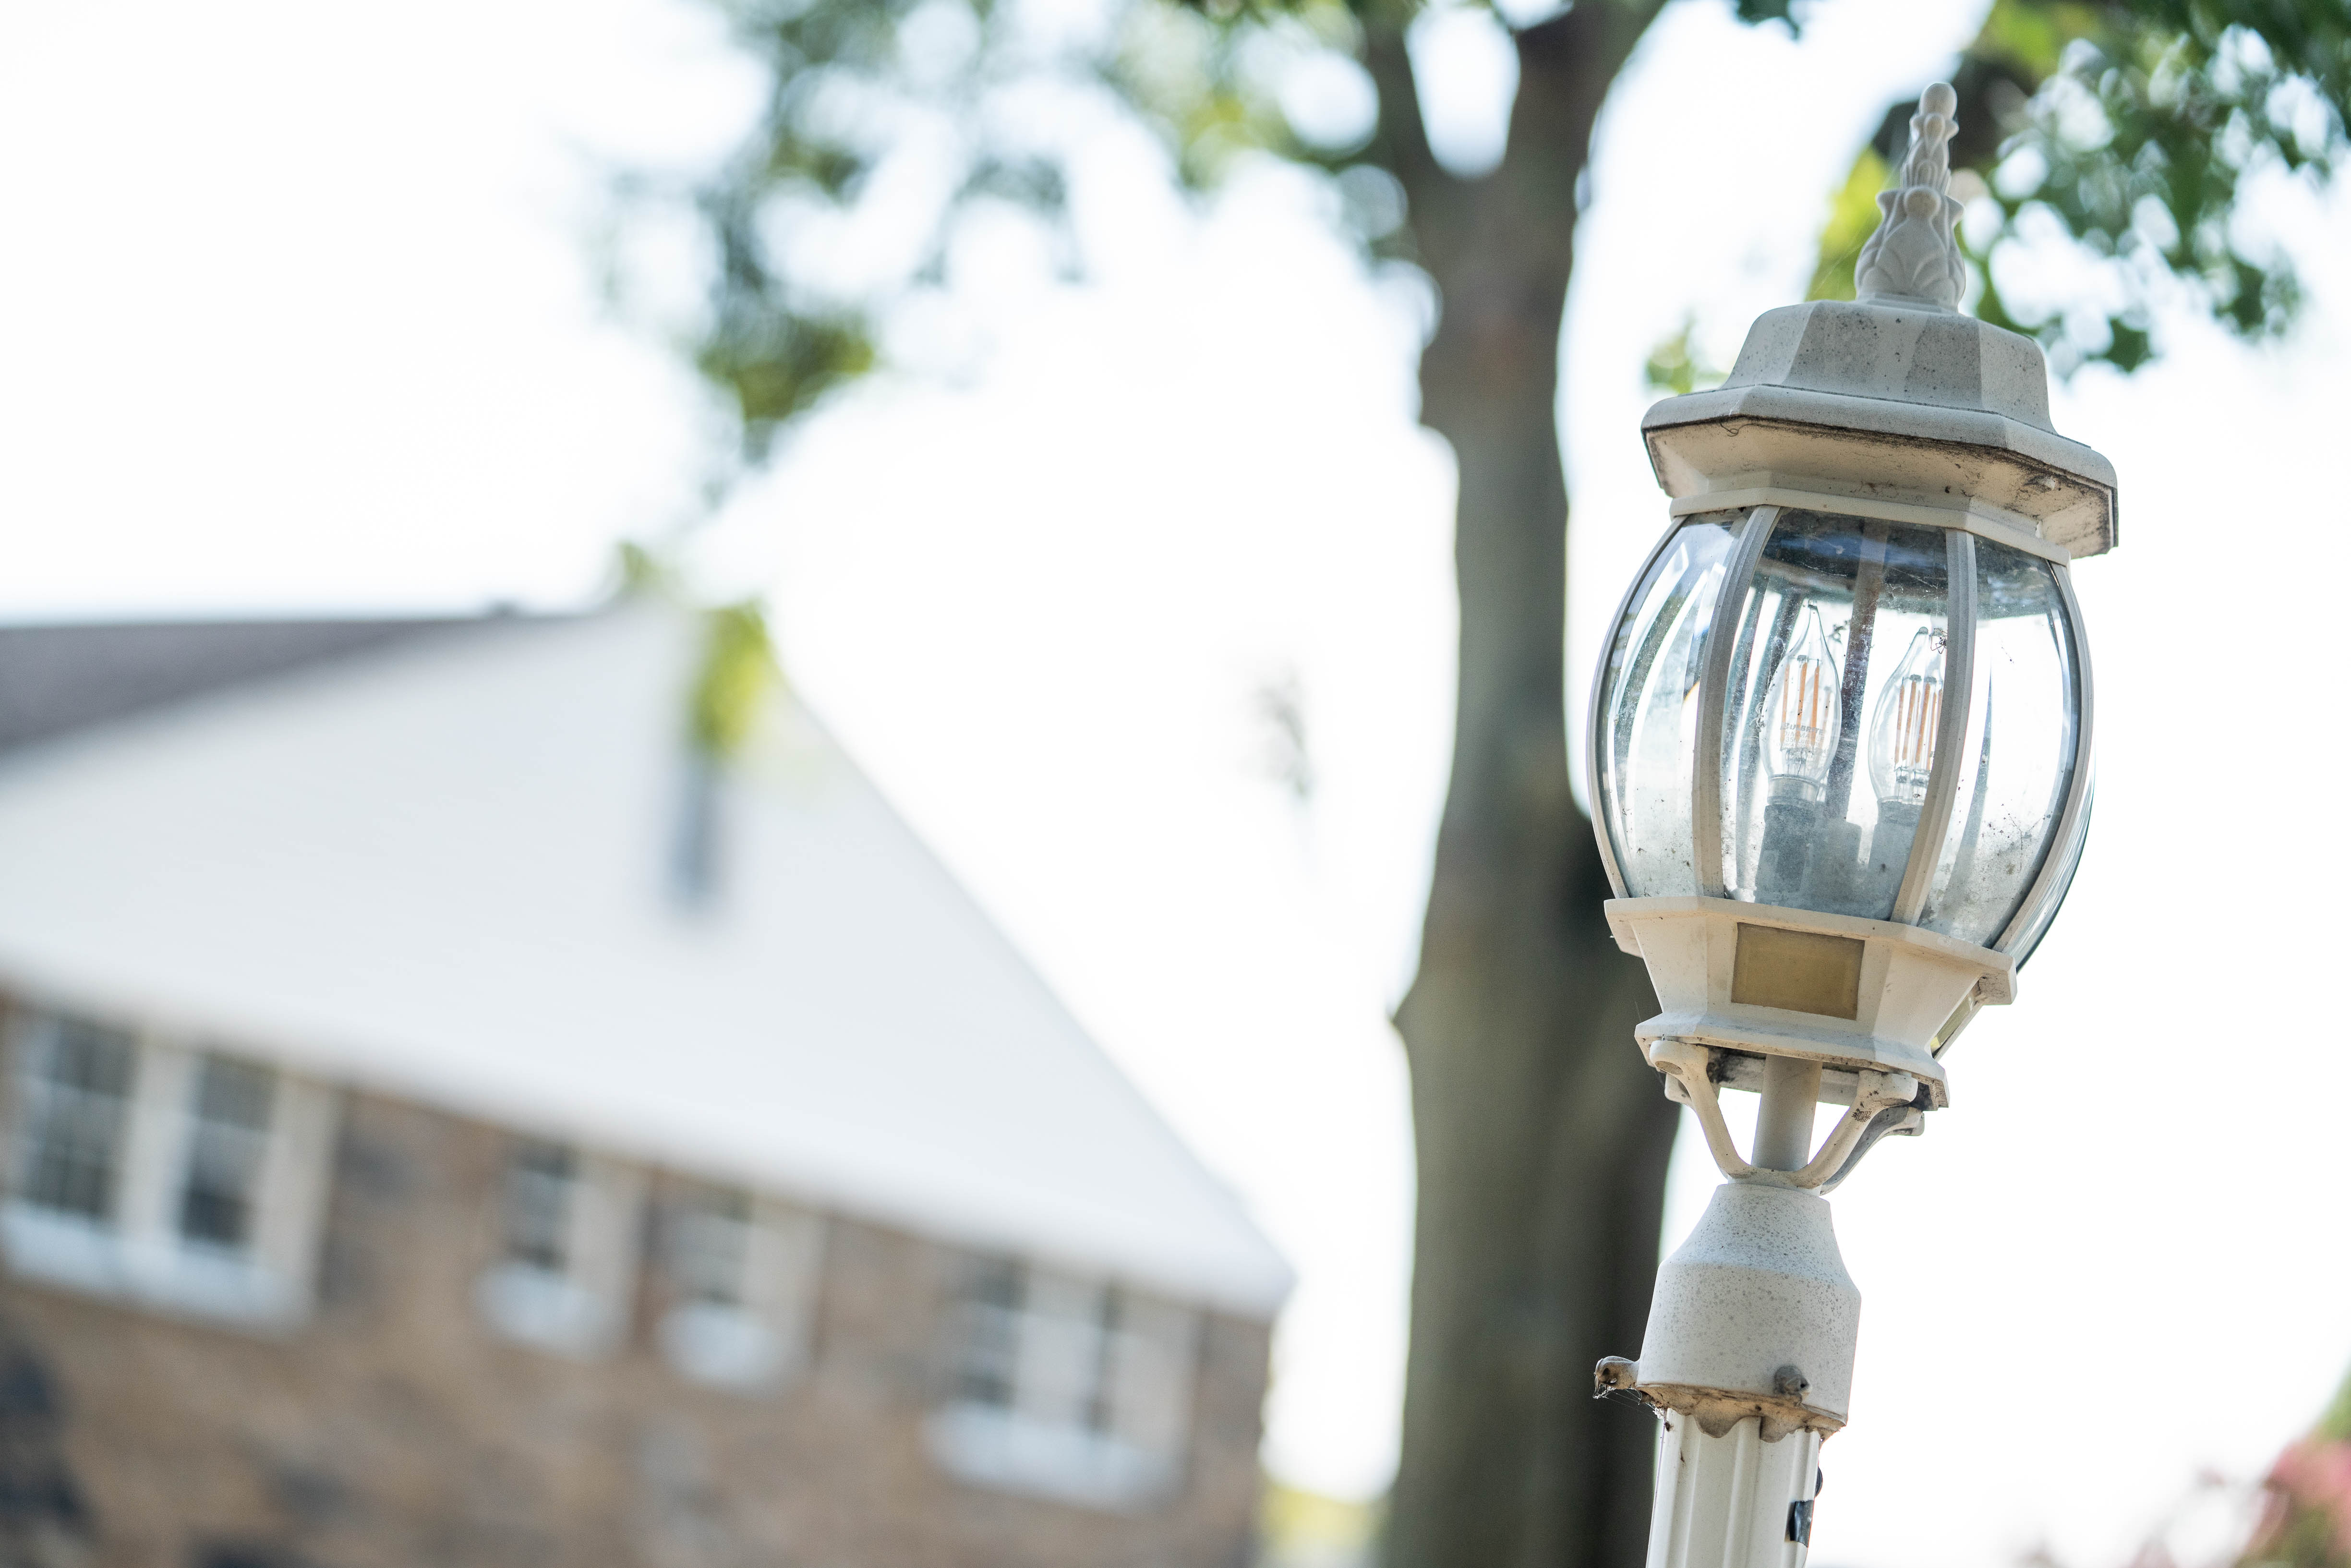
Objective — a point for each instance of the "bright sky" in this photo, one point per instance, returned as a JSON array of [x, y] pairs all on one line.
[[296, 315]]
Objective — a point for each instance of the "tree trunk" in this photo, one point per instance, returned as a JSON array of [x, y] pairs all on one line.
[[1542, 1136]]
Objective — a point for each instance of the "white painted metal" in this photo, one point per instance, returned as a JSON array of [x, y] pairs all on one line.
[[1892, 395], [1912, 979], [1690, 1072], [1858, 446], [1951, 734], [1985, 521], [1732, 1501], [1749, 1359], [1755, 1315], [1783, 1123], [1914, 257], [1714, 696]]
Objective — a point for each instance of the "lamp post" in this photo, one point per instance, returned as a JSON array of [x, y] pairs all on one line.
[[1841, 760]]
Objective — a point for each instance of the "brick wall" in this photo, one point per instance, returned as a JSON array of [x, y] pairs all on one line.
[[395, 1428]]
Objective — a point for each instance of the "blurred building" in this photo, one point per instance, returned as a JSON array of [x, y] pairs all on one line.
[[447, 1124]]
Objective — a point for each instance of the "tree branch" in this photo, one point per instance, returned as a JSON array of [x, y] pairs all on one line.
[[1400, 141]]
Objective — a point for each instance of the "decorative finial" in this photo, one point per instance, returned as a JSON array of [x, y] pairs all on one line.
[[1914, 257]]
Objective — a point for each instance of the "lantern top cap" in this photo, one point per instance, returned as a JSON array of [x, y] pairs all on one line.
[[1914, 257], [1893, 395]]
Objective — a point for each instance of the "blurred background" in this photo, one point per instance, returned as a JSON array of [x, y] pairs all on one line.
[[1125, 574]]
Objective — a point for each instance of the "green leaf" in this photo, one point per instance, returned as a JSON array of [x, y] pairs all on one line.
[[739, 673], [778, 362], [1853, 218], [1675, 366]]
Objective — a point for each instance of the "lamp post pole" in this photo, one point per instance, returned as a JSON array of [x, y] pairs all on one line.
[[1841, 755]]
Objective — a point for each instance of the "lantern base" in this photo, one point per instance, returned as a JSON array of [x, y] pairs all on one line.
[[1856, 996]]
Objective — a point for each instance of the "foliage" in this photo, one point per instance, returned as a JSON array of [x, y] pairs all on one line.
[[2334, 1425], [640, 571], [1675, 366], [867, 98], [2140, 132], [737, 670], [739, 673], [866, 101], [1853, 218], [1206, 76], [2137, 130]]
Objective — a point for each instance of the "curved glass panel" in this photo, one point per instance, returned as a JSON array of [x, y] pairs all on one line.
[[2069, 861], [1648, 714], [1829, 731], [2023, 728]]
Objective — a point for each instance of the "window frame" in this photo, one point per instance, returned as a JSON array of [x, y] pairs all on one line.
[[138, 1249], [39, 1094], [1098, 1405], [574, 1299], [214, 1140], [756, 1334]]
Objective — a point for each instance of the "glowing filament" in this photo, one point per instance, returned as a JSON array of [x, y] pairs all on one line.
[[1801, 732], [1910, 718]]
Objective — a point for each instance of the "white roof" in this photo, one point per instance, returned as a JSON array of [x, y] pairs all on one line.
[[443, 870]]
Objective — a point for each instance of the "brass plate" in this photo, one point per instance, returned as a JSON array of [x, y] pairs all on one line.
[[1801, 971]]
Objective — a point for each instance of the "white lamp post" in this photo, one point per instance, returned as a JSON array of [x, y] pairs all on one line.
[[1841, 754]]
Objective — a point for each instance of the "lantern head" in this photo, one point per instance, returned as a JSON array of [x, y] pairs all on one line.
[[1840, 731]]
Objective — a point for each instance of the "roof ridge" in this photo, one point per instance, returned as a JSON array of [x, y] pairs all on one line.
[[59, 679]]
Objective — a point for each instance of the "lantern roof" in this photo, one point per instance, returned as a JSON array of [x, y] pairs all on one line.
[[1893, 397]]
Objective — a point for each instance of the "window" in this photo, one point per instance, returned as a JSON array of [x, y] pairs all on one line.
[[538, 1205], [187, 1179], [742, 1275], [77, 1111], [565, 1253], [990, 1352], [710, 1246], [1066, 1387], [228, 1139]]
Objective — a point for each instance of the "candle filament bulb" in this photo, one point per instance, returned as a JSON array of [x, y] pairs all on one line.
[[1801, 732], [1909, 717]]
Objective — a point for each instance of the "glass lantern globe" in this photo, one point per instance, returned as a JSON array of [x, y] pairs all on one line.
[[1847, 715]]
